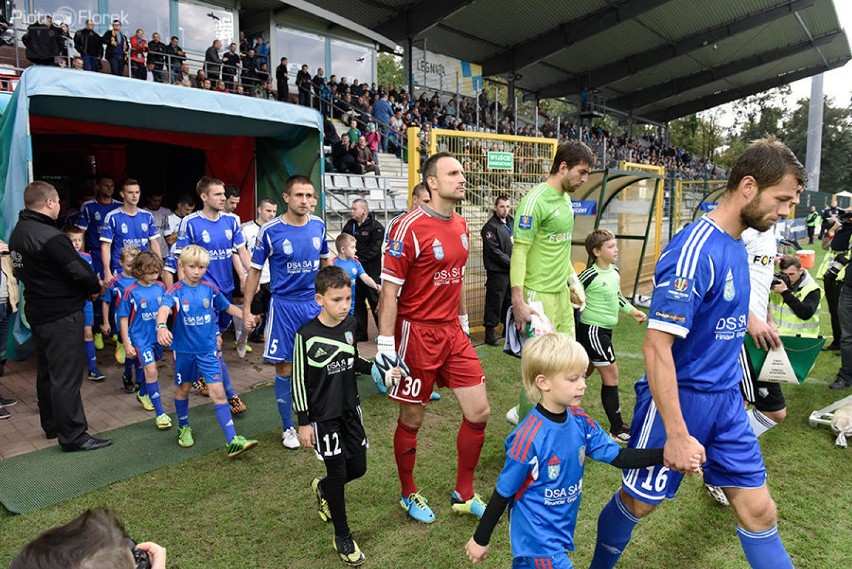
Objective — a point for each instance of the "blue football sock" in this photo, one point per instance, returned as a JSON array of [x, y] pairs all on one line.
[[128, 367], [223, 415], [182, 410], [226, 377], [91, 355], [763, 549], [284, 398], [153, 389], [615, 526]]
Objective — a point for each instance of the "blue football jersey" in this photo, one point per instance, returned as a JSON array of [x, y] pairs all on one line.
[[115, 289], [91, 218], [543, 475], [86, 257], [354, 269], [195, 326], [139, 304], [294, 254], [220, 238], [701, 296], [122, 230]]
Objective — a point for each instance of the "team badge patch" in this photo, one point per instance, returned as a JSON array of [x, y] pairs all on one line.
[[143, 304], [144, 227], [124, 228], [581, 454], [464, 240], [229, 234], [680, 289], [159, 300], [206, 302], [729, 291], [185, 306], [395, 249], [287, 247], [438, 249], [98, 215], [553, 467], [525, 222], [350, 338], [205, 236], [317, 243]]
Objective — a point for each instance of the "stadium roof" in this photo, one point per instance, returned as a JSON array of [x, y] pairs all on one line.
[[659, 59]]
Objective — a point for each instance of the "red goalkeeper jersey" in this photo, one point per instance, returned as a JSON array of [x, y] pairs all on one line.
[[426, 256]]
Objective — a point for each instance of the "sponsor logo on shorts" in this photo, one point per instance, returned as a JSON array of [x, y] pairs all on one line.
[[525, 222], [669, 316]]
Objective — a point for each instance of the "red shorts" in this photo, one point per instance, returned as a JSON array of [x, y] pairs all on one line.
[[435, 353]]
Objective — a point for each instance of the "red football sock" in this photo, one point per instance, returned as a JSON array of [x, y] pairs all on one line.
[[469, 444], [405, 451]]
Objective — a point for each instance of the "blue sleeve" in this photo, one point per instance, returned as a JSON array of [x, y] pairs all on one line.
[[124, 307], [324, 251], [238, 239], [220, 303], [169, 299], [153, 231], [107, 232], [83, 219], [359, 267], [261, 250], [680, 284], [515, 472], [184, 238], [600, 446]]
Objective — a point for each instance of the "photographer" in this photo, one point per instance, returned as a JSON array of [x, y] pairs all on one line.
[[96, 539], [794, 301], [836, 241]]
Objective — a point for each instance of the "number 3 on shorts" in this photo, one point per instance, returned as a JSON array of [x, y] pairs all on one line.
[[411, 386]]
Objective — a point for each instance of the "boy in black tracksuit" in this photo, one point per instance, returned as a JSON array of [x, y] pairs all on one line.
[[325, 396]]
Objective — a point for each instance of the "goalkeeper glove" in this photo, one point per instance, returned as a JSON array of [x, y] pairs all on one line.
[[386, 360], [576, 287]]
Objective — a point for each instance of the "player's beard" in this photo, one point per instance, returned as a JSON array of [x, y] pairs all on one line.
[[752, 216]]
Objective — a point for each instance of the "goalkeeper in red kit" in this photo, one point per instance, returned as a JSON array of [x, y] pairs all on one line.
[[426, 329]]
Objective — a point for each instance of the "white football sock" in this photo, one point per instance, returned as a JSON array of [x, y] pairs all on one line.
[[759, 422]]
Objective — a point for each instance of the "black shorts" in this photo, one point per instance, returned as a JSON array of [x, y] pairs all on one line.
[[598, 344], [260, 302], [342, 436], [764, 395]]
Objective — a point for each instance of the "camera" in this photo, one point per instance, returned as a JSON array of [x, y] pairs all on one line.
[[836, 264], [781, 278], [140, 558]]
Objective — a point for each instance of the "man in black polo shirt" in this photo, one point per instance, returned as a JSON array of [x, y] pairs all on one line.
[[56, 283]]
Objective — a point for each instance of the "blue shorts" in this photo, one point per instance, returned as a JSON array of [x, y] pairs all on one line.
[[223, 317], [88, 314], [149, 354], [283, 321], [555, 561], [718, 421], [189, 366]]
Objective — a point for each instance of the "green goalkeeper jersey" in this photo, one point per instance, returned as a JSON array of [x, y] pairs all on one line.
[[544, 221], [603, 297]]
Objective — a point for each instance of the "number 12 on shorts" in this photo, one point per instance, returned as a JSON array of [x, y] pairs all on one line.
[[331, 442]]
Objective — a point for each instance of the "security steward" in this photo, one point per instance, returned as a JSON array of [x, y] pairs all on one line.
[[496, 256], [56, 283], [369, 237]]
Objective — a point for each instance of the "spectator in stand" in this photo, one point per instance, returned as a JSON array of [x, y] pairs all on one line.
[[325, 99], [364, 158], [6, 34], [248, 76], [77, 63], [305, 84], [117, 46], [176, 56], [212, 61], [244, 44], [262, 74], [220, 87], [261, 49], [230, 66], [138, 49], [383, 112], [342, 86], [373, 141], [357, 89], [282, 78], [66, 43], [200, 78], [157, 57], [183, 77], [316, 82], [207, 85], [88, 43], [42, 42]]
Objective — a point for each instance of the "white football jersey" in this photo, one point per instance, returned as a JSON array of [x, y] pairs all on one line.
[[762, 250]]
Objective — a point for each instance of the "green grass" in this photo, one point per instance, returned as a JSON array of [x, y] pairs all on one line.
[[257, 511]]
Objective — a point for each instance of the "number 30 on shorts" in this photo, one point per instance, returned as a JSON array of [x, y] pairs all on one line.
[[410, 386]]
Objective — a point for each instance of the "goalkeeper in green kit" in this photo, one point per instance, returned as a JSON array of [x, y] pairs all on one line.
[[541, 269]]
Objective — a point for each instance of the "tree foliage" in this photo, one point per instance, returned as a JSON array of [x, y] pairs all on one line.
[[835, 168], [389, 69]]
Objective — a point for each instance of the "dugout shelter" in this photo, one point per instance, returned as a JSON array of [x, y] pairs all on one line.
[[63, 125]]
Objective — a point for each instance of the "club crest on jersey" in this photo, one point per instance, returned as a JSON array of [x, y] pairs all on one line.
[[438, 249], [317, 243], [159, 300], [287, 247], [525, 222], [553, 467], [729, 291], [206, 303], [143, 304], [581, 454], [395, 249], [144, 227], [186, 305], [464, 240], [205, 236], [229, 234], [680, 289], [350, 338], [98, 215], [124, 228]]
